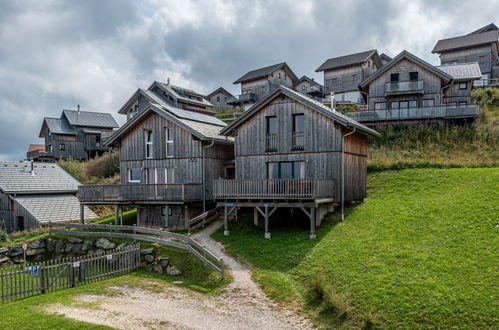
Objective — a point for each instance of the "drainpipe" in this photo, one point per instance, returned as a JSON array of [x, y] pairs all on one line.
[[343, 173], [203, 171]]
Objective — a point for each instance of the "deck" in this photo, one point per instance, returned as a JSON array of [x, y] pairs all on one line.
[[274, 189], [139, 193], [440, 112]]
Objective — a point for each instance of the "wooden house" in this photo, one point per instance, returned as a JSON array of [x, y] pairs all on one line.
[[257, 84], [77, 134], [310, 87], [409, 89], [33, 194], [289, 153], [342, 75], [481, 46], [220, 98], [38, 153], [169, 158], [384, 58]]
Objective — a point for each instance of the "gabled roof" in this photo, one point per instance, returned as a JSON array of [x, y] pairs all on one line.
[[16, 177], [310, 80], [463, 71], [299, 97], [220, 90], [177, 92], [89, 118], [348, 60], [56, 126], [36, 147], [405, 55], [385, 57], [204, 127], [265, 72], [486, 28], [47, 208], [470, 40]]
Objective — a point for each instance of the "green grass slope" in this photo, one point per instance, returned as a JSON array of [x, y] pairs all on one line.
[[420, 252]]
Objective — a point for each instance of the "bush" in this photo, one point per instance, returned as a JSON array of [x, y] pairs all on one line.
[[3, 236], [488, 97], [75, 168], [106, 166]]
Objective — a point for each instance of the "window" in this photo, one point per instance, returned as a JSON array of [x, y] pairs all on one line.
[[169, 132], [380, 106], [272, 125], [285, 76], [62, 147], [218, 98], [413, 75], [451, 104], [394, 77], [413, 104], [298, 139], [286, 170], [263, 89], [271, 137], [302, 87], [148, 138], [165, 210], [481, 59], [463, 86], [428, 103], [463, 104], [51, 149], [161, 175], [279, 75], [133, 175]]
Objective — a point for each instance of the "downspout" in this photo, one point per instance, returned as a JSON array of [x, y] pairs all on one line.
[[343, 173], [203, 171]]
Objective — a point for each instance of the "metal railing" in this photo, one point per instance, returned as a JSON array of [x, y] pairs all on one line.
[[298, 141], [271, 142], [399, 87], [274, 189], [415, 113], [139, 192]]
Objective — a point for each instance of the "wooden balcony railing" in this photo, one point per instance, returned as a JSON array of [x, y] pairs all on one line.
[[298, 142], [139, 193], [470, 111], [274, 189], [403, 87], [271, 142]]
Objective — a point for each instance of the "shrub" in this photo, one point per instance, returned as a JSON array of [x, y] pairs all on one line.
[[75, 168], [488, 97], [3, 236], [105, 166]]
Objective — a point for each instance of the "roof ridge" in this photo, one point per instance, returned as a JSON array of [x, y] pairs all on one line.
[[84, 111]]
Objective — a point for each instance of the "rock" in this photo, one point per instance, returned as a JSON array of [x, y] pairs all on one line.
[[87, 246], [18, 260], [143, 264], [74, 240], [172, 270], [146, 251], [164, 262], [35, 252], [38, 257], [104, 244], [15, 251], [157, 268], [177, 282], [38, 244], [68, 248], [4, 250], [99, 253], [77, 248], [50, 245], [149, 268], [149, 258], [3, 259], [59, 247]]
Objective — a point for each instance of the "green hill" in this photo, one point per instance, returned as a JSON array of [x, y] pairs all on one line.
[[420, 252]]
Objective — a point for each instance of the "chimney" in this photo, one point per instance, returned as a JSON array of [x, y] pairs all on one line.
[[332, 101], [168, 81], [32, 168], [78, 109]]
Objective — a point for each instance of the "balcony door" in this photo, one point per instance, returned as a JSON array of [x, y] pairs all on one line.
[[284, 170], [159, 178]]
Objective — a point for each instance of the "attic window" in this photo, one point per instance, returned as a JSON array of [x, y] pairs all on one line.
[[413, 75], [149, 145], [394, 77]]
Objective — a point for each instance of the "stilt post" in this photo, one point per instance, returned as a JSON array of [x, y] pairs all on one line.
[[267, 234], [116, 214], [255, 216], [226, 222], [82, 214], [312, 222]]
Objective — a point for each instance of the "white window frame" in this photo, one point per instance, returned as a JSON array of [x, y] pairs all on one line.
[[169, 172], [169, 142], [149, 143], [129, 174]]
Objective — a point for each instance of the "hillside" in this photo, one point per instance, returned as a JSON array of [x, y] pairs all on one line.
[[419, 253]]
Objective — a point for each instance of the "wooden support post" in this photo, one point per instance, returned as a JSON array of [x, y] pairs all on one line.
[[116, 214], [312, 222], [121, 215], [255, 216], [138, 215], [226, 222], [82, 214], [267, 234]]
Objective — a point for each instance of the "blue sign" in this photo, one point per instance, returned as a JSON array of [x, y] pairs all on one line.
[[265, 204], [34, 270], [229, 204]]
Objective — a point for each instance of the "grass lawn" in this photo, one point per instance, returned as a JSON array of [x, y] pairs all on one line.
[[420, 252]]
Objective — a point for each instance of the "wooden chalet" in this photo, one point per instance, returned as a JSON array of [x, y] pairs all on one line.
[[289, 153], [169, 158], [33, 194], [410, 89], [257, 84], [309, 87], [481, 46], [76, 134], [220, 98], [342, 75]]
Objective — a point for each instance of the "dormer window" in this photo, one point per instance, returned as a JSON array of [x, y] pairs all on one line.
[[394, 77], [413, 75], [149, 143]]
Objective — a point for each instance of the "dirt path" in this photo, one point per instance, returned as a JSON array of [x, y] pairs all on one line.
[[242, 305]]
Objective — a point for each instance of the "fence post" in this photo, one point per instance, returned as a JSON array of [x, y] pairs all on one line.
[[43, 278], [71, 272]]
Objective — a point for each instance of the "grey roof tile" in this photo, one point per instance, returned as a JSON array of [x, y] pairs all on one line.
[[463, 71], [346, 60], [88, 118], [264, 72], [469, 40], [59, 126], [46, 208], [16, 177]]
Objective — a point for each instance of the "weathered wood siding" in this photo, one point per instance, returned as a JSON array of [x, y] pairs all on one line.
[[485, 56], [10, 210], [321, 154], [454, 94]]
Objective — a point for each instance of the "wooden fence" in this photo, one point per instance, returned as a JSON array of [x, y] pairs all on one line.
[[27, 280], [201, 220], [166, 238]]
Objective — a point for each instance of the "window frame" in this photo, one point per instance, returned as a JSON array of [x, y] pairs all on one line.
[[169, 142], [383, 108], [294, 116], [411, 73], [465, 85], [393, 75], [149, 146], [62, 147], [129, 175], [267, 126]]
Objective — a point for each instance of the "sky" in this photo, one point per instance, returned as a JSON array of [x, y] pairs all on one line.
[[57, 54]]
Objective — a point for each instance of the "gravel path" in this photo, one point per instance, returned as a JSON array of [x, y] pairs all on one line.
[[242, 305]]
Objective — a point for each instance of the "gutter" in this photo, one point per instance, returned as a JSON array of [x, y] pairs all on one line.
[[343, 173]]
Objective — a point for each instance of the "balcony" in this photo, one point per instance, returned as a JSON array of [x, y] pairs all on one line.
[[139, 193], [271, 143], [284, 189], [442, 112], [244, 98], [404, 87], [298, 141], [38, 154], [315, 90]]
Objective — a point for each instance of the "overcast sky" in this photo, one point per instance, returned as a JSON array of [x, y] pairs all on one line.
[[96, 53]]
